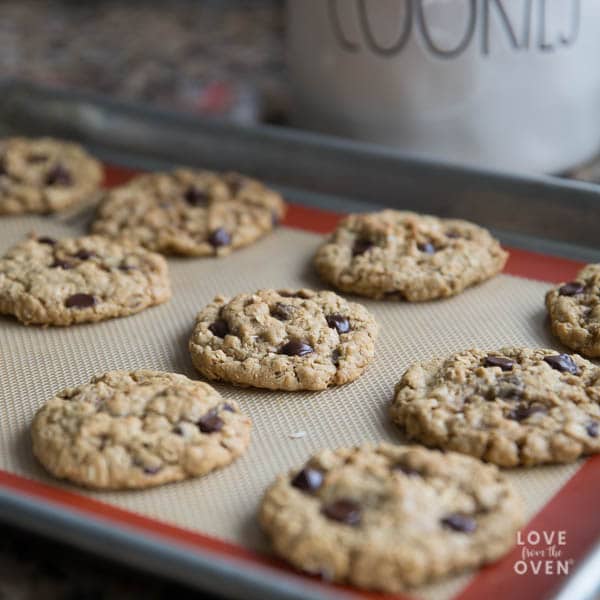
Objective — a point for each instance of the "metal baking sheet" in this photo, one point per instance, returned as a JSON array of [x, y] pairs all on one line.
[[203, 531]]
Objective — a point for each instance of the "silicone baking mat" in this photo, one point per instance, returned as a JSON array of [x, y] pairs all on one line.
[[217, 513]]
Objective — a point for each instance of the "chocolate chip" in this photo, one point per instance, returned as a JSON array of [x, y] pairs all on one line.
[[83, 254], [361, 245], [210, 423], [59, 263], [427, 248], [508, 387], [406, 469], [228, 408], [177, 430], [288, 294], [335, 357], [219, 237], [219, 328], [46, 240], [571, 289], [308, 480], [59, 176], [344, 510], [506, 364], [523, 411], [281, 311], [234, 183], [394, 295], [296, 348], [458, 522], [563, 363], [453, 235], [151, 470], [339, 323], [80, 301], [126, 267], [195, 197], [320, 572], [593, 429], [37, 158]]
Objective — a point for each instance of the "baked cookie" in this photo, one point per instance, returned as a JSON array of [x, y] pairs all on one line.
[[390, 517], [403, 255], [574, 310], [44, 175], [74, 280], [516, 406], [194, 213], [283, 340], [137, 429]]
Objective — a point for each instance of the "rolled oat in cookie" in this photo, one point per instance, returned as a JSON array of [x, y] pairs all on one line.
[[138, 429], [407, 256], [511, 407], [574, 310], [44, 281], [283, 340], [45, 175], [388, 518], [191, 213]]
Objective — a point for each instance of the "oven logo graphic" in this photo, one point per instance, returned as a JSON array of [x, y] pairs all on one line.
[[543, 553]]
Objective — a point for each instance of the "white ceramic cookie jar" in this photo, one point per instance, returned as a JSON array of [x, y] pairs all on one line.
[[510, 84]]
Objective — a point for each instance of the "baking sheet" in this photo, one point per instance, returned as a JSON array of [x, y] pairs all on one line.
[[36, 362]]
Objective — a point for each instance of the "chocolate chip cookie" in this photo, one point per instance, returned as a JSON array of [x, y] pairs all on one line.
[[514, 406], [574, 310], [403, 255], [138, 429], [44, 281], [283, 340], [45, 175], [390, 517], [193, 213]]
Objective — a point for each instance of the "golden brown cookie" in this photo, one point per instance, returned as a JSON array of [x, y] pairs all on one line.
[[138, 429], [403, 255], [44, 175], [44, 281], [283, 340], [574, 310], [192, 213], [514, 406], [390, 517]]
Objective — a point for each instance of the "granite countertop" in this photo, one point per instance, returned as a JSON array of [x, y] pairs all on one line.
[[213, 57]]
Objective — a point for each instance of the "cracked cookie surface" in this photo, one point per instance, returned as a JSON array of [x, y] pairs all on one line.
[[193, 213], [74, 280], [138, 429], [45, 175], [403, 255], [514, 406], [390, 517], [283, 340], [574, 310]]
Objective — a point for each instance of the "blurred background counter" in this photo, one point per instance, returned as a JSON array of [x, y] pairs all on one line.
[[209, 57], [214, 58]]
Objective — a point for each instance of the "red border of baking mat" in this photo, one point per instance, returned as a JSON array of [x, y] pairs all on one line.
[[574, 508]]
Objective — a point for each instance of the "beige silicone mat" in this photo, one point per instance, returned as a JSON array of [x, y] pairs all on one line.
[[36, 362]]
